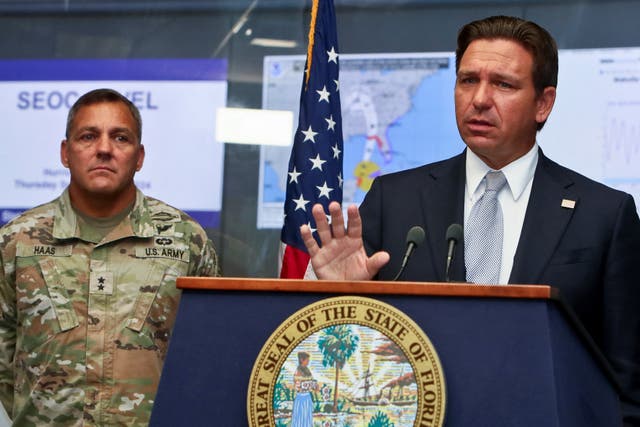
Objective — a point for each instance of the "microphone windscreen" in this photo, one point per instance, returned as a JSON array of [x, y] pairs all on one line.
[[415, 235], [454, 232]]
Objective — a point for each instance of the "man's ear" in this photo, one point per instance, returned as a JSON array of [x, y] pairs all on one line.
[[140, 158], [544, 103], [64, 159]]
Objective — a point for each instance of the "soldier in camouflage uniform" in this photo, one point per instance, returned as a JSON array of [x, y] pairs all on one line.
[[87, 282]]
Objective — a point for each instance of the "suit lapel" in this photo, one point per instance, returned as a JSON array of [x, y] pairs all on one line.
[[442, 202], [544, 222]]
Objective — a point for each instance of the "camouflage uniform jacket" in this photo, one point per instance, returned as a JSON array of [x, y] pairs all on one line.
[[84, 326]]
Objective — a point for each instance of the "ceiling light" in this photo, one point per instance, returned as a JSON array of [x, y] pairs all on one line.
[[273, 42]]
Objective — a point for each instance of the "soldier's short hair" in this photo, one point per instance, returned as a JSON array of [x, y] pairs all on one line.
[[98, 96]]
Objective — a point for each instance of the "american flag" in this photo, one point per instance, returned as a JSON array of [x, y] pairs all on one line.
[[315, 166]]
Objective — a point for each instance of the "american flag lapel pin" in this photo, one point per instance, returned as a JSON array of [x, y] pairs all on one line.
[[568, 204]]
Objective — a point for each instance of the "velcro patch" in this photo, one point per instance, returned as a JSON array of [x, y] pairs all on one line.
[[23, 250], [101, 283], [171, 252]]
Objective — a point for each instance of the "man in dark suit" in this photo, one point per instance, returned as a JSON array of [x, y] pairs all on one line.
[[556, 226]]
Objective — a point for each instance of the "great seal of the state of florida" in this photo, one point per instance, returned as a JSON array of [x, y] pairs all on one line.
[[347, 361]]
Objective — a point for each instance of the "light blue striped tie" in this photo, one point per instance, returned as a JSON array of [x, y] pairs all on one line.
[[483, 233]]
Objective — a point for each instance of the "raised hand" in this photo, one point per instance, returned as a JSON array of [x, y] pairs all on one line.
[[341, 255]]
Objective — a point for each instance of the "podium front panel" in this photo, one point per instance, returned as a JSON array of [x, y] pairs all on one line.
[[507, 362]]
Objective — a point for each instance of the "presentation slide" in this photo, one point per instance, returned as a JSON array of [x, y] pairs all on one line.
[[398, 113], [177, 99]]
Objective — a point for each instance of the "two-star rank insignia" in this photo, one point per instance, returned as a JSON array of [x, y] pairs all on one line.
[[101, 283]]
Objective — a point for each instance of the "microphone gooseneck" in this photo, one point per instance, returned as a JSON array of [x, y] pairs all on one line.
[[454, 235], [415, 237]]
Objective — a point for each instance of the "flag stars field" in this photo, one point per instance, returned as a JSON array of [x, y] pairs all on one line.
[[333, 55], [317, 162], [324, 190], [324, 94], [301, 203], [331, 124], [309, 135], [293, 176], [336, 151]]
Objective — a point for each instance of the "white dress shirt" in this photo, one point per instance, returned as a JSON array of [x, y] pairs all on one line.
[[513, 198]]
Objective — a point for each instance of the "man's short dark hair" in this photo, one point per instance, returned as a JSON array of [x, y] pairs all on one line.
[[535, 39], [98, 96]]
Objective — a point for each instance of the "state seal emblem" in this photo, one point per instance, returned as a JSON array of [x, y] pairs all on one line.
[[347, 361]]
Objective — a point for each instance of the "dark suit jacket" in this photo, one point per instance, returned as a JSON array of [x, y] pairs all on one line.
[[591, 253]]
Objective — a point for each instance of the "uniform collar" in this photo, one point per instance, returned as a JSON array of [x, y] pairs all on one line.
[[138, 223]]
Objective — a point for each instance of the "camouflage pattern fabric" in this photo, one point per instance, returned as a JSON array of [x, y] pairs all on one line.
[[84, 327]]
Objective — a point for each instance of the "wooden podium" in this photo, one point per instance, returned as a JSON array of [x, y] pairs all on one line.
[[511, 355]]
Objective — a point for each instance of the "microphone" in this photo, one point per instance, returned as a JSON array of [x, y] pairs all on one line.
[[415, 237], [454, 234]]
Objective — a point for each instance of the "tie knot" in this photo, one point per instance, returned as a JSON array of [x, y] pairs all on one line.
[[495, 181]]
